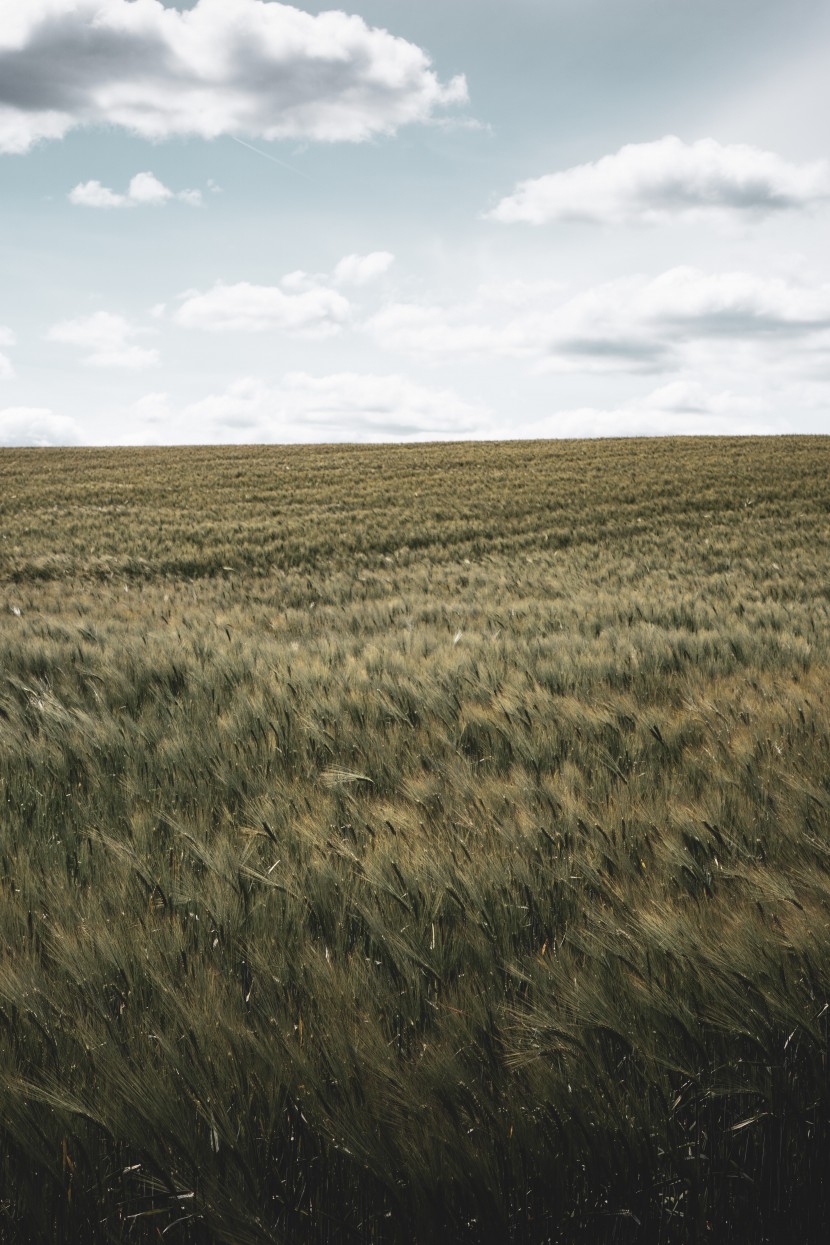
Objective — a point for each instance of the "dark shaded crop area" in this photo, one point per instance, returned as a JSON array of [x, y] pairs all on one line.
[[418, 844]]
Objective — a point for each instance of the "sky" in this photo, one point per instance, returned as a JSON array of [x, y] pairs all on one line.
[[412, 220]]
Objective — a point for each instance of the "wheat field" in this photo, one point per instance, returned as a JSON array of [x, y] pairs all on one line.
[[416, 844]]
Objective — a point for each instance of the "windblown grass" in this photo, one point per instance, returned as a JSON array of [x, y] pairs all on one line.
[[414, 845]]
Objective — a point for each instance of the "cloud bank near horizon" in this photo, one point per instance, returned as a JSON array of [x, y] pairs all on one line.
[[37, 427], [304, 408], [364, 408]]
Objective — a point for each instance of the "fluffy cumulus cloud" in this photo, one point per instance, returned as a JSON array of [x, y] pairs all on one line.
[[631, 324], [730, 304], [314, 312], [239, 67], [144, 190], [106, 340], [304, 304], [38, 426], [652, 182], [346, 406], [636, 324]]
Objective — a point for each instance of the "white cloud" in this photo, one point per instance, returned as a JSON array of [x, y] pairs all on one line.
[[631, 324], [731, 304], [315, 312], [642, 421], [361, 269], [636, 323], [652, 182], [355, 407], [107, 340], [684, 407], [144, 189], [304, 304], [31, 425], [93, 194], [378, 407], [350, 270], [19, 130], [346, 406], [238, 67], [504, 319]]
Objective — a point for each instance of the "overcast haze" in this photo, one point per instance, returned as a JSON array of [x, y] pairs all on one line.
[[239, 220]]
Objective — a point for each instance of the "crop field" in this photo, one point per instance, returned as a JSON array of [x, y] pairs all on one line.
[[410, 845]]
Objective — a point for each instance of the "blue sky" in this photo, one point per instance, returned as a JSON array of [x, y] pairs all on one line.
[[240, 220]]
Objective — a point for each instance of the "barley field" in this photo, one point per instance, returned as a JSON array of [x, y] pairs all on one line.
[[405, 845]]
